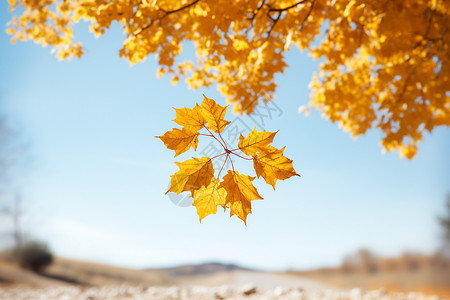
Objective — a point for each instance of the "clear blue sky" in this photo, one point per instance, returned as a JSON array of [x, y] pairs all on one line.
[[96, 189]]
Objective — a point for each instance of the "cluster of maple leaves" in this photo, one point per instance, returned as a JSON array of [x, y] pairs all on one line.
[[197, 175]]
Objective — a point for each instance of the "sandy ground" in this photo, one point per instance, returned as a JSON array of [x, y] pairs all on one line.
[[260, 280], [230, 285]]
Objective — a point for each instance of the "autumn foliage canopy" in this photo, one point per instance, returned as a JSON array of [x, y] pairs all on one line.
[[234, 191], [384, 63]]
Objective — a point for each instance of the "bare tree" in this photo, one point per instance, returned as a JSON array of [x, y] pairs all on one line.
[[14, 212], [361, 260], [12, 157], [445, 223]]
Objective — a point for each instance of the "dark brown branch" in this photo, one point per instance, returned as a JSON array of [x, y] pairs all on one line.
[[361, 35], [137, 9], [144, 28], [274, 20], [179, 9], [252, 18], [406, 83], [427, 30], [166, 13], [289, 7], [281, 10], [307, 14]]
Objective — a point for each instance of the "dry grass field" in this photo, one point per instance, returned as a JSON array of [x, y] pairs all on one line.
[[429, 281], [81, 280], [89, 273]]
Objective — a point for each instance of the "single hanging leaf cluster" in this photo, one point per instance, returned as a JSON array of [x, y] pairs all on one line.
[[233, 191]]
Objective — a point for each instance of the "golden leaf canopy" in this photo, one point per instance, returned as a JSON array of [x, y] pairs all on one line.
[[385, 63]]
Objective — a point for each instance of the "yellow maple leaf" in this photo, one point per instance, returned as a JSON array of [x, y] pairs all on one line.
[[191, 119], [255, 142], [180, 140], [273, 166], [240, 193], [214, 114], [193, 174], [206, 199]]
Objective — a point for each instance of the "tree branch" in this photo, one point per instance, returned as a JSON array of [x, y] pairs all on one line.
[[307, 14], [274, 20], [281, 10], [178, 9], [255, 13], [144, 28], [166, 13], [405, 84], [289, 7], [137, 9]]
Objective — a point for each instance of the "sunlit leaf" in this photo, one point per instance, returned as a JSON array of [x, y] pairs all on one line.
[[273, 166], [180, 140], [255, 142], [191, 119], [193, 174], [214, 114], [240, 193], [206, 199]]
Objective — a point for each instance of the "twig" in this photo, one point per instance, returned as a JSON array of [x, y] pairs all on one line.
[[408, 78], [289, 7], [179, 9], [274, 20], [307, 14], [166, 13], [252, 18]]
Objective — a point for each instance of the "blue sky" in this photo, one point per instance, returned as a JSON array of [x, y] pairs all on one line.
[[96, 188]]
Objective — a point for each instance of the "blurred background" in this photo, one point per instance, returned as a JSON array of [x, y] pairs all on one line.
[[83, 182]]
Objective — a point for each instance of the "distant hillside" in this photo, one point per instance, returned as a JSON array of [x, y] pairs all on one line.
[[200, 269], [69, 271]]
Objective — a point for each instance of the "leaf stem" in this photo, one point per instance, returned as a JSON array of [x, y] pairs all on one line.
[[223, 141], [205, 134], [218, 155], [228, 155], [218, 176], [241, 156], [224, 147]]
